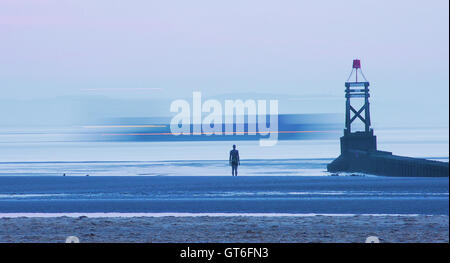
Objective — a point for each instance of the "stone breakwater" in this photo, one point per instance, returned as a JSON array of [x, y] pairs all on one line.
[[386, 164]]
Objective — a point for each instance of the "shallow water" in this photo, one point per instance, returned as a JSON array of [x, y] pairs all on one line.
[[220, 194], [194, 177]]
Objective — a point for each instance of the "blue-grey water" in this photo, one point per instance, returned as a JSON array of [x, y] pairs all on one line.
[[224, 194], [194, 177]]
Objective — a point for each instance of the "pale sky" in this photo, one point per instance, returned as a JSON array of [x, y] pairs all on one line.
[[163, 50]]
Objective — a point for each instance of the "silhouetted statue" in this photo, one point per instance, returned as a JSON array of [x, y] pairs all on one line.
[[234, 161]]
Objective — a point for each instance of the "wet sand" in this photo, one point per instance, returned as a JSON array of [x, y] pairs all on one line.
[[355, 228]]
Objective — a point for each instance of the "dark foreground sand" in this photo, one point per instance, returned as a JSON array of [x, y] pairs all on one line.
[[228, 229]]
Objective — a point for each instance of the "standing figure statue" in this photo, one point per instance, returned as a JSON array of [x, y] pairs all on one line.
[[234, 161]]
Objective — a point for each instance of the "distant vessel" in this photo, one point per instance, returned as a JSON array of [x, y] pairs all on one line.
[[359, 149], [290, 127]]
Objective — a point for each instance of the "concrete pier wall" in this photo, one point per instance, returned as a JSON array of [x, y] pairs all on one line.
[[386, 164]]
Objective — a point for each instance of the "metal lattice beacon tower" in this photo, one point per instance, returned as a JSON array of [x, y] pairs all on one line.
[[357, 90]]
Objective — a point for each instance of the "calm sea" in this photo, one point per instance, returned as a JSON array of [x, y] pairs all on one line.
[[194, 177]]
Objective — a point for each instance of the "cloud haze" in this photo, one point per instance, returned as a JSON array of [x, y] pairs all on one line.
[[165, 50]]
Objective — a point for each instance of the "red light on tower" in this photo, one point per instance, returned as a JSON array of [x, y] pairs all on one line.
[[356, 63]]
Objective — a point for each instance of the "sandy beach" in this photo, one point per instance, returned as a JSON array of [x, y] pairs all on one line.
[[297, 229]]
